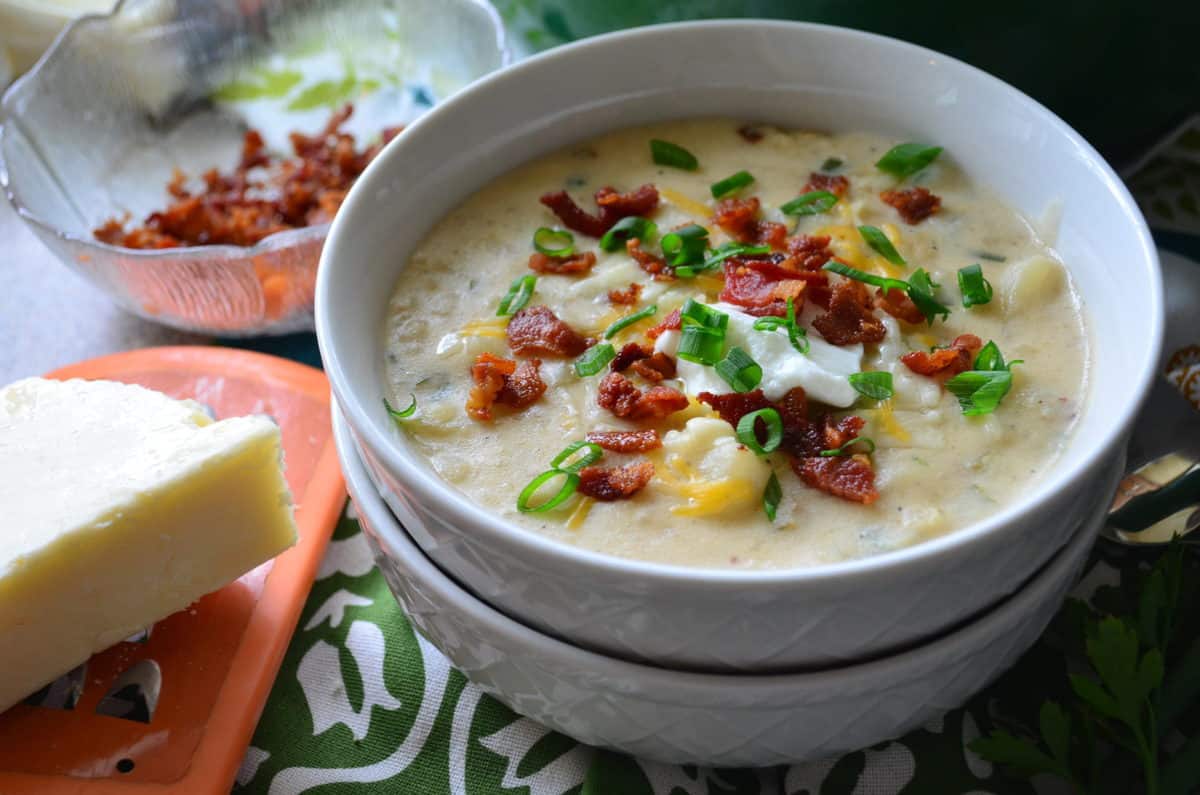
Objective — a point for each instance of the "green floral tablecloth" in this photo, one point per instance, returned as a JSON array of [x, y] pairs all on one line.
[[363, 704]]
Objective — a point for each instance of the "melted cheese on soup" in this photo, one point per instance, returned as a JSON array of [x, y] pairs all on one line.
[[935, 469]]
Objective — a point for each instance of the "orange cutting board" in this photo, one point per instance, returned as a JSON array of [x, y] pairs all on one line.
[[218, 659]]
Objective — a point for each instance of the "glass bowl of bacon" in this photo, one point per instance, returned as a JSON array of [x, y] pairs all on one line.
[[187, 157]]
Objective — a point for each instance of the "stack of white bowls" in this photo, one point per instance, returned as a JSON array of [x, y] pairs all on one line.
[[724, 667]]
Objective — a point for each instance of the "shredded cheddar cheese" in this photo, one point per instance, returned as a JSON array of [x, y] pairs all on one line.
[[704, 497], [689, 206], [580, 514], [492, 327], [888, 422]]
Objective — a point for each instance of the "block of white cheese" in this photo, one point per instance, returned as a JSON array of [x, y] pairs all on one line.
[[121, 506]]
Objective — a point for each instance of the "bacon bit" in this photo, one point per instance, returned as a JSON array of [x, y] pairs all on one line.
[[655, 368], [573, 263], [620, 396], [232, 209], [626, 441], [672, 322], [762, 286], [500, 380], [655, 266], [629, 354], [732, 406], [837, 185], [536, 329], [614, 483], [850, 319], [914, 204], [613, 207], [793, 410], [809, 252], [739, 219], [849, 477], [945, 362], [627, 297], [897, 304], [750, 133]]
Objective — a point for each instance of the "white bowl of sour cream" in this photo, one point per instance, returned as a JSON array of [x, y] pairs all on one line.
[[617, 586]]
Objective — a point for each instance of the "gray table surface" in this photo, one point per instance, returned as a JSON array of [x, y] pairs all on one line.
[[51, 317]]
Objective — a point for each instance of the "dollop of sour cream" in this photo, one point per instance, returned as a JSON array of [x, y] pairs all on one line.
[[822, 372]]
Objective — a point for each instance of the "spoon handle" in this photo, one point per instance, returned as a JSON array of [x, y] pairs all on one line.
[[1146, 509]]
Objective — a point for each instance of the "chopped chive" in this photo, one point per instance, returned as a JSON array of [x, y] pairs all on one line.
[[975, 288], [398, 415], [845, 449], [570, 484], [832, 164], [740, 371], [747, 431], [594, 359], [876, 384], [629, 227], [907, 159], [811, 203], [593, 454], [554, 242], [517, 296], [666, 153], [629, 320], [772, 494], [797, 335], [877, 240], [685, 246], [732, 183], [718, 255]]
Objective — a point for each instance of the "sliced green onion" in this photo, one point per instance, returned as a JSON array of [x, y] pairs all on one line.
[[811, 203], [876, 384], [747, 432], [797, 335], [666, 153], [731, 183], [554, 242], [594, 453], [907, 159], [772, 494], [517, 296], [832, 164], [921, 290], [397, 415], [718, 255], [685, 246], [877, 240], [862, 276], [990, 257], [629, 320], [739, 371], [594, 359], [990, 358], [629, 227], [845, 449], [703, 315], [975, 288], [570, 483], [979, 391], [701, 345]]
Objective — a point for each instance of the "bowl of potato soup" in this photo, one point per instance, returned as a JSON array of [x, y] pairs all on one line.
[[740, 345]]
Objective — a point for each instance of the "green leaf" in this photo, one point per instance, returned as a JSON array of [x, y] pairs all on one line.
[[1112, 649], [1181, 687], [1150, 673], [1055, 726], [1092, 694], [1022, 755], [611, 773], [1182, 771]]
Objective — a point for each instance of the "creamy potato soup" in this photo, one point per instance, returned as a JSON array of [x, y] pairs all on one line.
[[714, 344]]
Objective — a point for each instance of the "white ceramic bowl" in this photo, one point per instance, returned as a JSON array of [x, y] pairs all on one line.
[[796, 75], [730, 720]]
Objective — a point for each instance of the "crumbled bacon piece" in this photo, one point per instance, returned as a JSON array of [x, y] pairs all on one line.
[[763, 287], [536, 329], [629, 353], [739, 219], [837, 185], [914, 204], [750, 133], [849, 319], [498, 380], [613, 207], [614, 483], [732, 406], [626, 441], [572, 263], [672, 322], [627, 297], [849, 477], [655, 368], [620, 396], [945, 362], [809, 252], [654, 265], [897, 304]]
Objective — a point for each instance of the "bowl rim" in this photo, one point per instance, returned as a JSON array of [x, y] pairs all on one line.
[[222, 251], [957, 640], [428, 488]]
